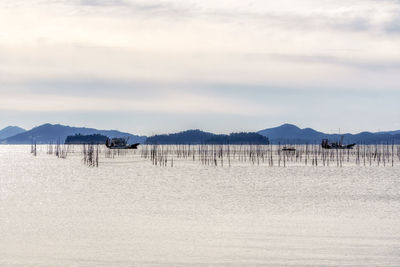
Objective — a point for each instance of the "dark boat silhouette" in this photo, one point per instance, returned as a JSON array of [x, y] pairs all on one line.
[[290, 149], [120, 143], [336, 145]]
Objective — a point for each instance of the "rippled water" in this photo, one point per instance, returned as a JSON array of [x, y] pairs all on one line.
[[127, 212]]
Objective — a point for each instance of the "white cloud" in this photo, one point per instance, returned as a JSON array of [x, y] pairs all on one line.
[[174, 102], [323, 44]]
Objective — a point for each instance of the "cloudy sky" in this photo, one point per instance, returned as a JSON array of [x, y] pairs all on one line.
[[155, 66]]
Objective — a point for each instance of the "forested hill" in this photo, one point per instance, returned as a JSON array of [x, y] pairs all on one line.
[[85, 139], [238, 139], [200, 137]]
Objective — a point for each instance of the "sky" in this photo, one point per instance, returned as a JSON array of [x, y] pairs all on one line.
[[160, 66]]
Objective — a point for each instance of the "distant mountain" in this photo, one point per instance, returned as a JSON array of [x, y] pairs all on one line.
[[186, 137], [390, 132], [10, 131], [291, 134], [52, 133], [199, 137], [238, 139], [284, 134]]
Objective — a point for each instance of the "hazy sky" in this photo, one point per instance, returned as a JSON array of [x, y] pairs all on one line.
[[157, 66]]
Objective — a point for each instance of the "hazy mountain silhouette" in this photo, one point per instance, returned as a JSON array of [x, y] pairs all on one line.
[[286, 133], [48, 133], [10, 131], [389, 132], [185, 137], [200, 137], [238, 139], [291, 134]]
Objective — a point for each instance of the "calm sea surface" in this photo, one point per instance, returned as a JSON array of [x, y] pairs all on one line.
[[127, 212]]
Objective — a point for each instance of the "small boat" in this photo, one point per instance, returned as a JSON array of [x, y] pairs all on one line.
[[120, 143], [290, 149], [335, 145]]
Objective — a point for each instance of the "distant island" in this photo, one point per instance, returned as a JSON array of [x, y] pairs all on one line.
[[196, 137], [10, 131], [85, 139], [239, 139], [53, 133], [284, 134], [291, 134]]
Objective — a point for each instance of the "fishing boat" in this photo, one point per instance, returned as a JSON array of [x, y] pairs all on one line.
[[120, 143], [290, 149], [336, 145]]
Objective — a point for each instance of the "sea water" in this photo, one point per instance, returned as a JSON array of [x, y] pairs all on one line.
[[128, 212]]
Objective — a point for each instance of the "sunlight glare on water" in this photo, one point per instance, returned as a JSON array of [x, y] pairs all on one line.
[[128, 212]]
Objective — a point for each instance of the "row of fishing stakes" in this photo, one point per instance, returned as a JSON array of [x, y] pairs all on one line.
[[228, 155], [272, 155], [34, 149], [60, 151], [91, 155]]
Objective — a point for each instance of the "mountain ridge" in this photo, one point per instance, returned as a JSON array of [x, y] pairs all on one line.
[[197, 137], [52, 133], [285, 133], [10, 131], [289, 133]]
